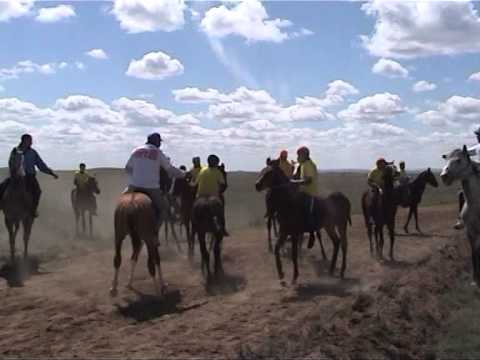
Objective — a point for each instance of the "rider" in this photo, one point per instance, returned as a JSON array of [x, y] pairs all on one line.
[[285, 165], [308, 175], [81, 180], [375, 176], [211, 182], [143, 168], [30, 160], [195, 170], [472, 151]]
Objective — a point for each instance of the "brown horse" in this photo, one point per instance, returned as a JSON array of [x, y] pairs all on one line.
[[17, 204], [207, 216], [379, 209], [84, 201], [333, 215], [135, 216]]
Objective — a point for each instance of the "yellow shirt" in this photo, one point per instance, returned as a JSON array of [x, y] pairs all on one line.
[[286, 167], [209, 181], [81, 179], [194, 171], [376, 176], [309, 169]]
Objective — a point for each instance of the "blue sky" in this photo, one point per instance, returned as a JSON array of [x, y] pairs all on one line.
[[352, 80]]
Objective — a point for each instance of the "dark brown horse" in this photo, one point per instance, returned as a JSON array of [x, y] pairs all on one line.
[[135, 216], [17, 204], [84, 201], [416, 188], [379, 210], [333, 215], [185, 192], [207, 217]]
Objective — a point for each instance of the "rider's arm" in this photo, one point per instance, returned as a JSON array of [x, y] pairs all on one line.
[[40, 164], [169, 168], [129, 165]]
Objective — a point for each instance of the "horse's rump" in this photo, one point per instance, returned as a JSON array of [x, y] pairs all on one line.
[[82, 200], [206, 213], [135, 213]]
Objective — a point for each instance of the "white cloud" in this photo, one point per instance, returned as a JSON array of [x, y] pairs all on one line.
[[99, 54], [80, 65], [375, 108], [389, 68], [455, 111], [55, 14], [474, 77], [28, 67], [155, 66], [248, 19], [136, 16], [141, 112], [246, 105], [409, 29], [11, 9], [422, 85]]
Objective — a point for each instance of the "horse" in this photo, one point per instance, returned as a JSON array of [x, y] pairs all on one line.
[[382, 209], [166, 185], [416, 188], [185, 192], [460, 167], [333, 214], [83, 200], [135, 216], [17, 204], [207, 215]]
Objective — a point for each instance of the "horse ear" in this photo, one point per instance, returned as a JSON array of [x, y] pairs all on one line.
[[464, 149], [444, 156], [429, 170]]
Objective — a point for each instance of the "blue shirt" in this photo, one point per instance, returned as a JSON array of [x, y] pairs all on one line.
[[32, 159]]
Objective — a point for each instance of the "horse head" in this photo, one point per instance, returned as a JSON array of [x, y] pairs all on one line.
[[271, 176], [430, 178], [459, 166]]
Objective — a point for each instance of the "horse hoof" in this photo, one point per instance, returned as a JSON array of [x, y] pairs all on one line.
[[113, 292]]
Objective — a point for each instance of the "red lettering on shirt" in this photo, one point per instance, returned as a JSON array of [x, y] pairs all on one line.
[[150, 154]]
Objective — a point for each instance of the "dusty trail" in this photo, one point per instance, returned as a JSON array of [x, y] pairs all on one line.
[[68, 312]]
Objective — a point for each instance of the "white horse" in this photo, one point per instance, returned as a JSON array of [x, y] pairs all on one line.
[[461, 167]]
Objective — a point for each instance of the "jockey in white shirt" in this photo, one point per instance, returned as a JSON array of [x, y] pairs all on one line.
[[143, 169]]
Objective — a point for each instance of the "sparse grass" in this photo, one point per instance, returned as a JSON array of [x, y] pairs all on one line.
[[461, 337]]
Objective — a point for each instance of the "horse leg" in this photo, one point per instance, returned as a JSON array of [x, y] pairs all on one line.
[[161, 283], [275, 227], [278, 261], [336, 247], [269, 231], [319, 237], [117, 260], [415, 214], [83, 223], [295, 244], [344, 243], [90, 223], [136, 247], [12, 233], [391, 232], [205, 254], [77, 215], [410, 213], [379, 240], [217, 250], [27, 230]]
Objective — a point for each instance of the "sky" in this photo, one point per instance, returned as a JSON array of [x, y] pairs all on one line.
[[353, 80]]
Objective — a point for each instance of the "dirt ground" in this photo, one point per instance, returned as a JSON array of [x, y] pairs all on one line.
[[380, 309]]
